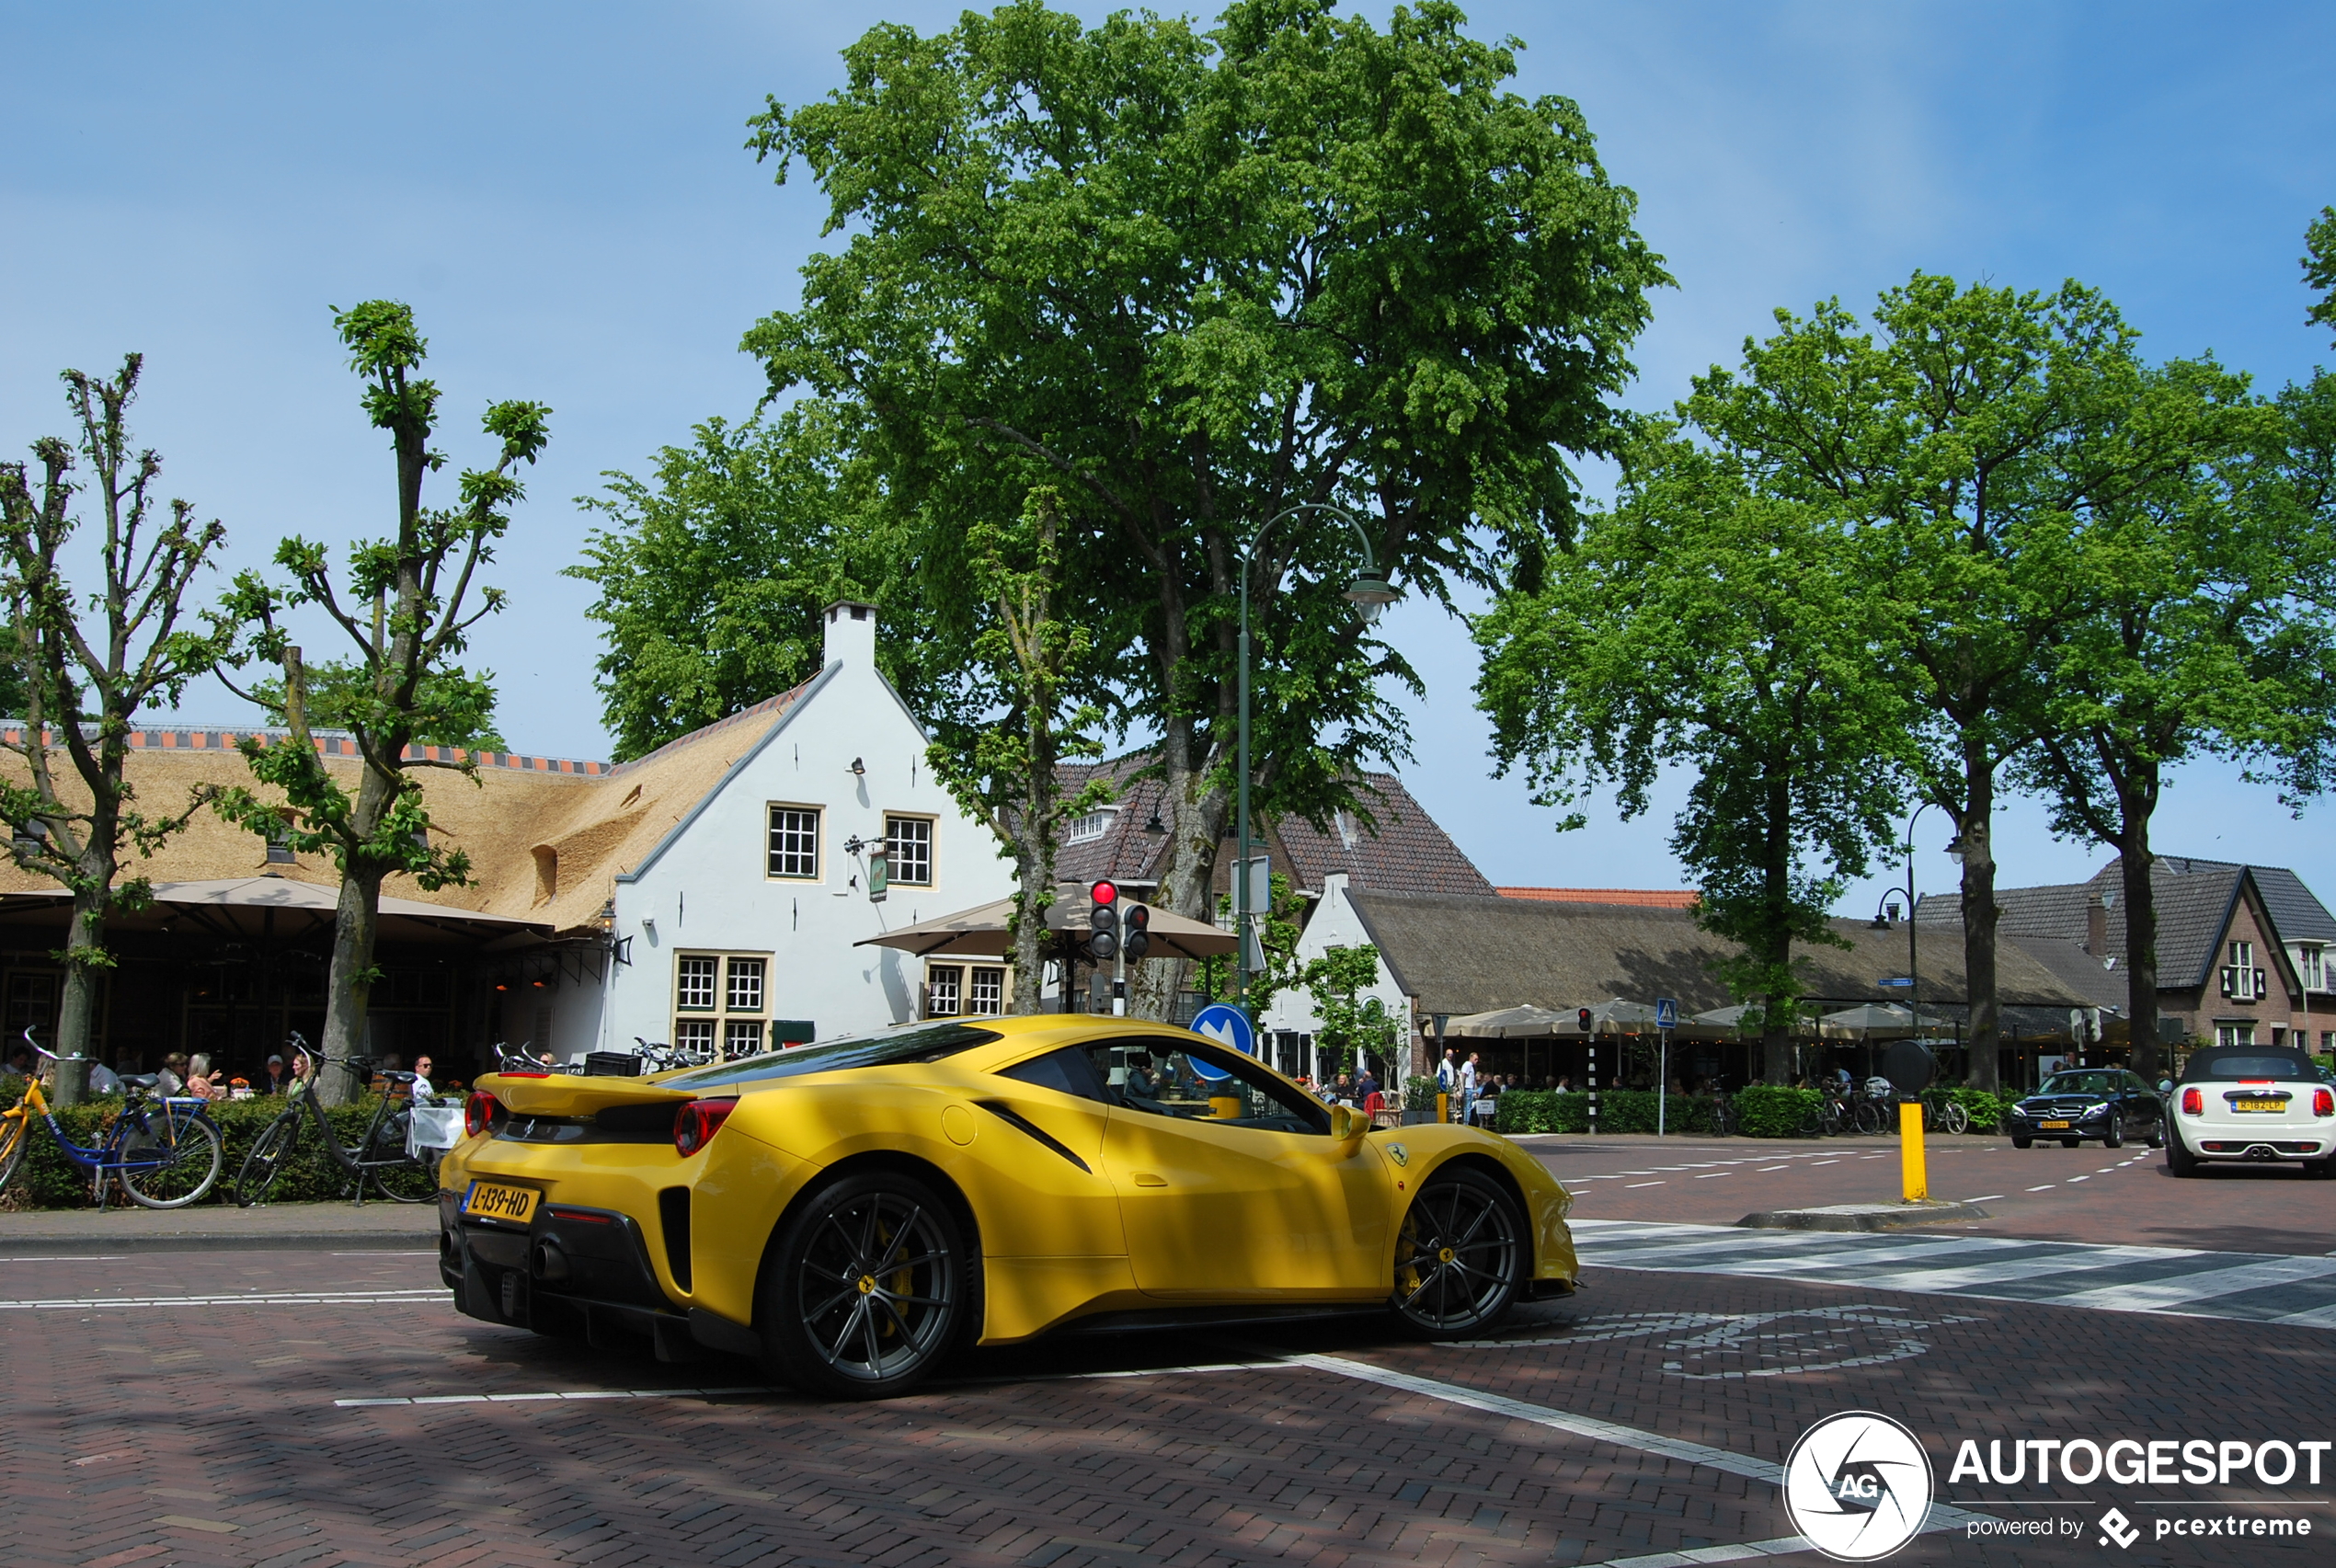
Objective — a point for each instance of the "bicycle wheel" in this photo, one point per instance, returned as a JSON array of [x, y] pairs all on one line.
[[1954, 1118], [171, 1159], [1867, 1118], [16, 1136], [404, 1180], [269, 1154]]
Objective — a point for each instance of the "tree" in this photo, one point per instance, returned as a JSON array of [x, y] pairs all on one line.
[[1283, 923], [418, 587], [1194, 280], [2208, 630], [1965, 446], [712, 572], [1706, 622], [1350, 1024], [81, 686], [2319, 268], [452, 707], [1037, 670]]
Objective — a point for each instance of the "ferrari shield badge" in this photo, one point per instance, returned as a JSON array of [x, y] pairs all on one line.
[[1401, 1155]]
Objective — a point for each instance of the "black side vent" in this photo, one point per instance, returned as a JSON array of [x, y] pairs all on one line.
[[673, 1217]]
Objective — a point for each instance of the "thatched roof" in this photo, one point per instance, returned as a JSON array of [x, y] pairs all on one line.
[[1460, 955], [546, 836]]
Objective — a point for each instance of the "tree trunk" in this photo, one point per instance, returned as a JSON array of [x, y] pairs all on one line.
[[2141, 939], [1034, 859], [77, 1014], [1980, 915], [350, 984], [1196, 823]]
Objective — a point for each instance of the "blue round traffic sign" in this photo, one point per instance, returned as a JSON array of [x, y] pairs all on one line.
[[1229, 1027]]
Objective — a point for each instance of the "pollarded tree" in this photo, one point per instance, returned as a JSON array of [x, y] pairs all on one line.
[[82, 665], [1708, 624], [1193, 281], [407, 611]]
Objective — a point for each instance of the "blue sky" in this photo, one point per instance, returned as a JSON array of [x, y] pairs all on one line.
[[559, 191]]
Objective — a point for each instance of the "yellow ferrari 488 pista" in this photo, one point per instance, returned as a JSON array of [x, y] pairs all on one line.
[[849, 1212]]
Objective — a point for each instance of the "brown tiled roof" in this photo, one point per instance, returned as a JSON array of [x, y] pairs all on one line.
[[1463, 954], [1644, 897], [1400, 850]]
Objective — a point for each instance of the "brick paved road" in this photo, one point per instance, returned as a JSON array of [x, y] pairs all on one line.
[[208, 1425]]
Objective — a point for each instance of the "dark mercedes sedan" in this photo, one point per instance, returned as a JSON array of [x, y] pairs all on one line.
[[2100, 1105]]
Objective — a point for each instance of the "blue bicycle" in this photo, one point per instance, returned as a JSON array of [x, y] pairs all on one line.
[[165, 1152]]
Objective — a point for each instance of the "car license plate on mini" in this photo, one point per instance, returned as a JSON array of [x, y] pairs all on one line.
[[489, 1200], [2274, 1106], [2052, 1124]]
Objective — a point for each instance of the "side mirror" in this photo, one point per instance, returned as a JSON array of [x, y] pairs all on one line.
[[1347, 1125]]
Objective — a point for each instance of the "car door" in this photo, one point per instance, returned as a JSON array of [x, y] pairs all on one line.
[[2143, 1102], [1052, 1113], [1230, 1187]]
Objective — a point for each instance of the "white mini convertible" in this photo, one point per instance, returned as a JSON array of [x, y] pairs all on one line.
[[2253, 1103]]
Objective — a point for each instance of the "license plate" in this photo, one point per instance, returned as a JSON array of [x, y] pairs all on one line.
[[2274, 1106], [487, 1200], [2052, 1124]]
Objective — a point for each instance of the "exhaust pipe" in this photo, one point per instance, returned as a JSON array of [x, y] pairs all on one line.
[[2261, 1152], [546, 1261]]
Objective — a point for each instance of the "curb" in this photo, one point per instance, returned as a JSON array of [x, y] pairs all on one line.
[[1863, 1217], [31, 1248]]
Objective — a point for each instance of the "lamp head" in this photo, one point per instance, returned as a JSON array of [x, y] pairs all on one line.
[[1373, 595]]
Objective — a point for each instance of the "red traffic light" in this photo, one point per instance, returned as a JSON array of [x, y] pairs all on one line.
[[1585, 1021], [1103, 893]]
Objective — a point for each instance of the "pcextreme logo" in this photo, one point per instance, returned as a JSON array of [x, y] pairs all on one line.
[[1858, 1485]]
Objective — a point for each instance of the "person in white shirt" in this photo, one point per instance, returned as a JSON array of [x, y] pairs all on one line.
[[102, 1079], [422, 1091], [1467, 1087]]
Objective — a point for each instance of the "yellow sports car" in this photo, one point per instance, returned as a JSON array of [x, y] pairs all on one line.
[[851, 1211]]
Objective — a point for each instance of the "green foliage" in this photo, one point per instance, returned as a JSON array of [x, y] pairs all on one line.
[[452, 707], [1713, 622], [1774, 1110], [1191, 279], [712, 570], [1348, 1022], [1277, 936], [1419, 1093], [49, 1180], [1620, 1110], [2319, 268], [1984, 1107]]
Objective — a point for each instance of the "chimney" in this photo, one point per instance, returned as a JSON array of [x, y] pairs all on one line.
[[2096, 927], [850, 633]]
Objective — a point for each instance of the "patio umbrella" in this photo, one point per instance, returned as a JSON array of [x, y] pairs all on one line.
[[1524, 1022], [981, 932], [1877, 1018]]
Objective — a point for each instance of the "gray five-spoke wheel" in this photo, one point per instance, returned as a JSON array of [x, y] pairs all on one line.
[[1461, 1255], [869, 1287]]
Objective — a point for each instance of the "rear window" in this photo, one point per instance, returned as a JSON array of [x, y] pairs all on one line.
[[887, 1047], [2247, 1061]]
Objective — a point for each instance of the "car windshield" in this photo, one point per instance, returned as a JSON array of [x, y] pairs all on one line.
[[2081, 1083], [1167, 1079], [2247, 1062], [911, 1042]]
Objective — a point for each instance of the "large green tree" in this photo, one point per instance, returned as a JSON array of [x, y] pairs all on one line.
[[406, 607], [82, 662], [1710, 625], [1192, 280], [2206, 631], [713, 569], [1966, 435], [2319, 268]]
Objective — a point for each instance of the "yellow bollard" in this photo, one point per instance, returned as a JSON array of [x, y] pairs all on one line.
[[1443, 1107], [1912, 1176]]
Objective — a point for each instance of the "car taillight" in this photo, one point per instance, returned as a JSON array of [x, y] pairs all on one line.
[[697, 1121], [2323, 1103], [2193, 1104], [479, 1112]]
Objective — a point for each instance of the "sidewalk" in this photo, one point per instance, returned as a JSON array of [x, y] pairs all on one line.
[[211, 1227]]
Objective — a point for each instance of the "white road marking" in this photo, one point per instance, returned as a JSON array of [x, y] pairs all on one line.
[[254, 1299], [1766, 1169], [2045, 1189], [1986, 1197], [94, 1258], [1708, 1174], [1648, 1185]]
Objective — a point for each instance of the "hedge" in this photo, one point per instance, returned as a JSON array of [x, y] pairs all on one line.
[[49, 1179], [1620, 1110], [1986, 1107], [1775, 1110]]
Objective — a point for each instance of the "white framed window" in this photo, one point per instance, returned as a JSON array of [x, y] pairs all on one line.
[[694, 1035], [742, 1037], [2234, 1033], [2312, 960], [744, 993], [693, 982], [909, 841], [943, 990], [2241, 980], [986, 991], [1088, 826], [794, 843]]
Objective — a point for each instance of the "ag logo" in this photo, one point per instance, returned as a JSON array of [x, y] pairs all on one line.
[[1858, 1485], [2115, 1527]]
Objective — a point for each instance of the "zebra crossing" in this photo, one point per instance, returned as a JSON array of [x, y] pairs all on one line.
[[2248, 1287]]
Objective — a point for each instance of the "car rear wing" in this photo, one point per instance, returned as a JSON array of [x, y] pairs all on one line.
[[566, 1095]]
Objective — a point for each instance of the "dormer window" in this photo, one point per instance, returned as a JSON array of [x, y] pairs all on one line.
[[1088, 826]]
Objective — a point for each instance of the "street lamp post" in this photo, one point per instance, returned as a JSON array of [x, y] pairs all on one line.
[[1370, 591], [1914, 969]]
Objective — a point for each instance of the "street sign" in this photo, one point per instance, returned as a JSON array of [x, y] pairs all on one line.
[[1667, 1012], [1229, 1027], [1895, 980]]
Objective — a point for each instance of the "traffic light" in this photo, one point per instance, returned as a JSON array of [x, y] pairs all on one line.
[[1102, 940], [1135, 931], [1585, 1016]]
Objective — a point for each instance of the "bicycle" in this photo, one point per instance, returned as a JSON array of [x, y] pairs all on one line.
[[380, 1159], [164, 1151], [1824, 1119], [1943, 1113], [1722, 1116]]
